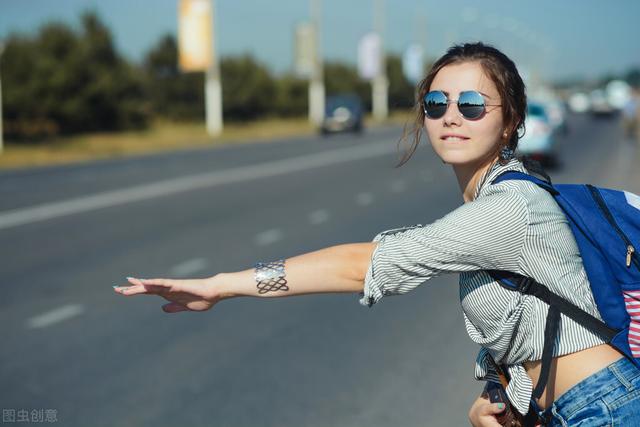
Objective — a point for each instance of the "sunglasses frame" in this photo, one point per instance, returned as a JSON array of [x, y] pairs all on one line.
[[457, 102]]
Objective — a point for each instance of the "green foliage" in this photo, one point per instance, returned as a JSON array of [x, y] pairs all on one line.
[[342, 78], [171, 93], [248, 89], [401, 92], [62, 82], [292, 96], [633, 77]]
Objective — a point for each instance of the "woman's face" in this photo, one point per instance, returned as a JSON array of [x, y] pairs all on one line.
[[480, 138]]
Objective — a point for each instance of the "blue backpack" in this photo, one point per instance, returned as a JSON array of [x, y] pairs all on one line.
[[606, 226]]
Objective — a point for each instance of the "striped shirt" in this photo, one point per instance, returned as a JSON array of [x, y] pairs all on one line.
[[514, 226]]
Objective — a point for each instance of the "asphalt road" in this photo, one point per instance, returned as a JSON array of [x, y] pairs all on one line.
[[67, 234]]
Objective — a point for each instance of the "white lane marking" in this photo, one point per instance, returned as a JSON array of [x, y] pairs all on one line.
[[106, 199], [364, 199], [319, 216], [398, 186], [189, 267], [268, 237], [54, 316]]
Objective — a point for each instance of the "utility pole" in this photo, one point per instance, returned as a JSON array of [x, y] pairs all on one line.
[[213, 87], [380, 84], [197, 53], [316, 82], [213, 100], [1, 129]]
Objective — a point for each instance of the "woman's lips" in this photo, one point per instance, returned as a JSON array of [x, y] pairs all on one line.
[[452, 138]]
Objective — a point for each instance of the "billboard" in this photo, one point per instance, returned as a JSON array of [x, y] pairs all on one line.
[[195, 35], [413, 63], [369, 51], [305, 47]]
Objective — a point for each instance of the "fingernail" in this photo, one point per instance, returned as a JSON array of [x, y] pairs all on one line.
[[131, 278], [501, 406], [115, 286]]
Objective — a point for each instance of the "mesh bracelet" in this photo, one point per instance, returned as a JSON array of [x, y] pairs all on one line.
[[270, 276]]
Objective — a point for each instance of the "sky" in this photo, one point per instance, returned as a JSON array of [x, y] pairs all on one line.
[[556, 39]]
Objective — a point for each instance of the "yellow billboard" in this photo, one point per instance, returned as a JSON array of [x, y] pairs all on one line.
[[195, 35]]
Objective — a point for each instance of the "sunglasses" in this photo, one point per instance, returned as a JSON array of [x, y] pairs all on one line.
[[471, 104]]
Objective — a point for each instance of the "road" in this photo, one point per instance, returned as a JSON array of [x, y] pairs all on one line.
[[67, 234]]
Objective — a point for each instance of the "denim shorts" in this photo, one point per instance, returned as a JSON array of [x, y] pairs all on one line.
[[610, 397]]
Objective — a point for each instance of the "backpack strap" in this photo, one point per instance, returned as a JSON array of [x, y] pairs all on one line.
[[557, 305], [510, 174]]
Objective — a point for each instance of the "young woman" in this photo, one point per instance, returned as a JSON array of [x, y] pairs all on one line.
[[472, 104]]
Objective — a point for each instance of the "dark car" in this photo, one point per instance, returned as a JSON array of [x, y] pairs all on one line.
[[343, 113]]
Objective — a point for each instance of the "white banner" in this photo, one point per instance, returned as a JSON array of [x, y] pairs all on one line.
[[305, 50], [195, 35], [369, 51], [413, 63]]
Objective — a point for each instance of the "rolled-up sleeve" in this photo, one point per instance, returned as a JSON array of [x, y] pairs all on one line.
[[487, 233]]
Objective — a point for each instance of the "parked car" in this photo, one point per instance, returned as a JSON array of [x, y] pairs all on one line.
[[579, 102], [600, 105], [343, 113], [538, 141], [557, 113]]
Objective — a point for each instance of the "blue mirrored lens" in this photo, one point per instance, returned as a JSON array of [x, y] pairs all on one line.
[[471, 104], [434, 104]]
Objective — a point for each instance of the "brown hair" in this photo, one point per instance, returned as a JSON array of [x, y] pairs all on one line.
[[499, 68]]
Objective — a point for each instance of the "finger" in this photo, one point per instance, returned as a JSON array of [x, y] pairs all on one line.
[[159, 282], [134, 280], [129, 290], [174, 307], [492, 408], [141, 289]]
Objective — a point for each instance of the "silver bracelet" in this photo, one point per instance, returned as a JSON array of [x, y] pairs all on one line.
[[270, 276]]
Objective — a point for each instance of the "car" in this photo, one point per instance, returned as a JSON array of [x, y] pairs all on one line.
[[538, 141], [579, 102], [343, 113], [600, 105], [557, 113]]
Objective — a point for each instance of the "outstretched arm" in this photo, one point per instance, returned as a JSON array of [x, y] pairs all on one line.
[[340, 268]]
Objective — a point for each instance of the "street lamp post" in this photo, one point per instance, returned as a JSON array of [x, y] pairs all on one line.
[[380, 83], [213, 86], [1, 129], [316, 82]]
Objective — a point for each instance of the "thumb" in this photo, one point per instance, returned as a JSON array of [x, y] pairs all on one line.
[[174, 307], [494, 408]]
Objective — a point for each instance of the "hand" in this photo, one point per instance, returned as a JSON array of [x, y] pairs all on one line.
[[183, 295], [483, 413]]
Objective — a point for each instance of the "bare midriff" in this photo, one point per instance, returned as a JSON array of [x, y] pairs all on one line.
[[568, 370]]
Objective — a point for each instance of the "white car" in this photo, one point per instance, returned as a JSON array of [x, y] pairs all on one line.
[[600, 105], [538, 141], [557, 114]]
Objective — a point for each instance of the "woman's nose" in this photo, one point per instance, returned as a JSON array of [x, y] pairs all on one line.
[[452, 114]]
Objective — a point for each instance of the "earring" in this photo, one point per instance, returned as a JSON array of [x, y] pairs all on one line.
[[506, 154]]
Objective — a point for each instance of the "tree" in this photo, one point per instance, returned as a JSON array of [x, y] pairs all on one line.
[[401, 92], [633, 77], [248, 89], [62, 82], [172, 94], [343, 78], [292, 96]]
